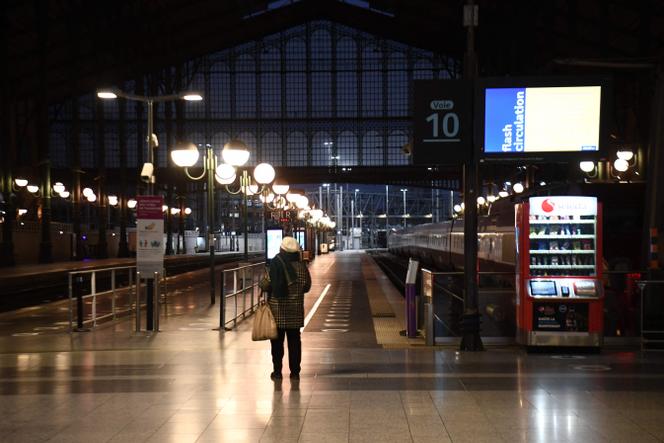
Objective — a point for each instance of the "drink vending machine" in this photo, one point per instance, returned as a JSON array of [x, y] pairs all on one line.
[[559, 272]]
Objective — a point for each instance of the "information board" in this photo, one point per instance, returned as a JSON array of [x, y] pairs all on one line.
[[273, 238], [542, 119], [442, 126], [150, 235]]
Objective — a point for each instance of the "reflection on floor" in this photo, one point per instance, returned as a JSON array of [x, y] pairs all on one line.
[[188, 383]]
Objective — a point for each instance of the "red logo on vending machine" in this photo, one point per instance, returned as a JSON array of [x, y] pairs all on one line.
[[548, 205]]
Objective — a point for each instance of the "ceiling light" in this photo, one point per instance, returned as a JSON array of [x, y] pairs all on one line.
[[58, 187], [33, 189], [621, 165], [235, 153], [280, 186], [587, 166], [21, 182], [225, 172], [107, 94], [264, 173], [185, 154], [518, 188], [191, 96], [626, 154]]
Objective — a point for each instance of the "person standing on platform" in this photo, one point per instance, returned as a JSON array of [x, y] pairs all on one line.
[[289, 281]]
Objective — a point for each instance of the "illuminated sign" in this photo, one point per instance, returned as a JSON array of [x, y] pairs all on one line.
[[274, 237], [565, 205], [522, 120]]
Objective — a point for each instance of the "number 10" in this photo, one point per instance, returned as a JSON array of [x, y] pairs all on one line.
[[450, 124]]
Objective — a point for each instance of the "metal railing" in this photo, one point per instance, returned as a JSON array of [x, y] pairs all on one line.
[[241, 285], [652, 315], [435, 283], [79, 281]]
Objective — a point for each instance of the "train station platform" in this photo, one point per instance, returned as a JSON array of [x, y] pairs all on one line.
[[360, 381]]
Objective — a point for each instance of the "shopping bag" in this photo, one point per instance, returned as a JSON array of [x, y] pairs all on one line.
[[264, 328]]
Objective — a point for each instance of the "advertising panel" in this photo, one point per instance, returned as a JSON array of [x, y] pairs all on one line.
[[568, 317]]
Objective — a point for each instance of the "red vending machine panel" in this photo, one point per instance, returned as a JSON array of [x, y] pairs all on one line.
[[559, 270]]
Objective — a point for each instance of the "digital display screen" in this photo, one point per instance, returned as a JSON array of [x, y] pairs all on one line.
[[299, 236], [543, 287], [274, 237], [542, 119]]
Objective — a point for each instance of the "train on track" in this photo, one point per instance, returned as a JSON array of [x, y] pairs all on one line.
[[440, 245]]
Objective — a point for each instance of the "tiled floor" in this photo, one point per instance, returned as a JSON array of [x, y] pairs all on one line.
[[189, 384]]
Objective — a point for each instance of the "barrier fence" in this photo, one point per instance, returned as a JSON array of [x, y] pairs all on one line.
[[240, 293], [117, 285], [652, 314], [631, 312]]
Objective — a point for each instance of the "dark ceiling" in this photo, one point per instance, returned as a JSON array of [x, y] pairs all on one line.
[[60, 48]]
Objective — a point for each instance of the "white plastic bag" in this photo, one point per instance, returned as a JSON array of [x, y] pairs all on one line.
[[264, 328]]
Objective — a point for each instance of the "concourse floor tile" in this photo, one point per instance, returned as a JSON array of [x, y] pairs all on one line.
[[189, 383]]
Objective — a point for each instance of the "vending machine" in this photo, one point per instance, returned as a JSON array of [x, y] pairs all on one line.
[[559, 272]]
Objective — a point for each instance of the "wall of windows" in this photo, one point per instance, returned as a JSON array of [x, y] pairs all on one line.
[[319, 94]]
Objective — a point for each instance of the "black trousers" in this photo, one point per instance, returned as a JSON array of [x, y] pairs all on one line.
[[294, 350]]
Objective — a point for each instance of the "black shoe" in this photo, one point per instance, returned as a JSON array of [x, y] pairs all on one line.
[[295, 376], [276, 376]]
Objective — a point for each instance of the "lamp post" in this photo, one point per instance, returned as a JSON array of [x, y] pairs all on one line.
[[151, 139], [149, 167], [186, 155], [235, 154]]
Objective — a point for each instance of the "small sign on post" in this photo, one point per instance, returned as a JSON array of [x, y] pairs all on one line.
[[411, 303], [150, 234]]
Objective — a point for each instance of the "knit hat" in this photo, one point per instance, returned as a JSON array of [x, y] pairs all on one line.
[[289, 244]]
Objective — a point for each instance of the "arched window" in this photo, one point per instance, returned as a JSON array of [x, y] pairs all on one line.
[[372, 149], [271, 149], [321, 154], [347, 149], [395, 142], [297, 149]]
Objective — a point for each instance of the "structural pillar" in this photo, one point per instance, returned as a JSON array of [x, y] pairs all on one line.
[[470, 321], [45, 246]]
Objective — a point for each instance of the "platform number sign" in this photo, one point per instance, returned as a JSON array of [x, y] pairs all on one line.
[[442, 121]]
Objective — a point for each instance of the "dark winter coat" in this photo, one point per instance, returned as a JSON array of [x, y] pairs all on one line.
[[289, 311]]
